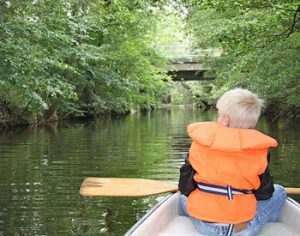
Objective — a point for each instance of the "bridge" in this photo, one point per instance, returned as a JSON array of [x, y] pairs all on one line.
[[187, 68]]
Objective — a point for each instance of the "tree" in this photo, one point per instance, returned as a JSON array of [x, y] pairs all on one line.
[[260, 43], [77, 58]]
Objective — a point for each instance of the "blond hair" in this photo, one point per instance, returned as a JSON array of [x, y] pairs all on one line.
[[242, 106]]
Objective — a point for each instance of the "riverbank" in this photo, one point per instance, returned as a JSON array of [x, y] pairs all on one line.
[[270, 113]]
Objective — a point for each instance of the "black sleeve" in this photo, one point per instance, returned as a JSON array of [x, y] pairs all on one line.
[[186, 182], [266, 189]]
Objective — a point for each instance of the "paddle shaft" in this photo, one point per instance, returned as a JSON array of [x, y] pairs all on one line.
[[130, 187], [293, 191]]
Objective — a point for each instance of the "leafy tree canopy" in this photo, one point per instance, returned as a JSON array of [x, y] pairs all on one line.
[[77, 58], [260, 42]]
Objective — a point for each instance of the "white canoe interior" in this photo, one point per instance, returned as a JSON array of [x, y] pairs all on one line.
[[165, 219]]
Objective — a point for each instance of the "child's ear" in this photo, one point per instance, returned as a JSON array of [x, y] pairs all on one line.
[[226, 120]]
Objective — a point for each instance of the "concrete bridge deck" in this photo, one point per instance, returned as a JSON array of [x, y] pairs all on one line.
[[189, 68], [188, 71]]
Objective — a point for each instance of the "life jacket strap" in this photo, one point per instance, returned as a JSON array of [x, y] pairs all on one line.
[[221, 190], [230, 230]]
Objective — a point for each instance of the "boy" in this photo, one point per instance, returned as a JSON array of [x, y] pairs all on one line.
[[230, 159]]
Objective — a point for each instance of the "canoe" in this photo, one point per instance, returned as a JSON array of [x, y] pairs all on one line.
[[166, 219]]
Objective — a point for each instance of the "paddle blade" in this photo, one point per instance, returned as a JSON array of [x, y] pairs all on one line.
[[124, 187]]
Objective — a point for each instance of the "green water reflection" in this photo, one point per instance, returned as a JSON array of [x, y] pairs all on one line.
[[41, 169]]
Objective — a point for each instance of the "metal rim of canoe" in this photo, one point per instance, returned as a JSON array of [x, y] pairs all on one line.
[[145, 217]]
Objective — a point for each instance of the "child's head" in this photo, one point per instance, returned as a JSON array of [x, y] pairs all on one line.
[[239, 108]]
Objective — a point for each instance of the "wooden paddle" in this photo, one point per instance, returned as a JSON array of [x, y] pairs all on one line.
[[128, 187]]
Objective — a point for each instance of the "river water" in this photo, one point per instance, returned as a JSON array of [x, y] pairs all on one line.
[[41, 169]]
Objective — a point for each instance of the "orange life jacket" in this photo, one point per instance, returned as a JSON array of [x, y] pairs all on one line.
[[226, 156]]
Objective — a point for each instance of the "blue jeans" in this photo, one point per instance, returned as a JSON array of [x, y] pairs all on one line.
[[266, 211]]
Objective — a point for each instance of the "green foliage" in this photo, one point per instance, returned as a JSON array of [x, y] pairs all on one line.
[[260, 43], [171, 39], [81, 57], [180, 95]]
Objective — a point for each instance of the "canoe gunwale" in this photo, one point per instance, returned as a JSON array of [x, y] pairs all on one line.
[[292, 201], [146, 216]]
